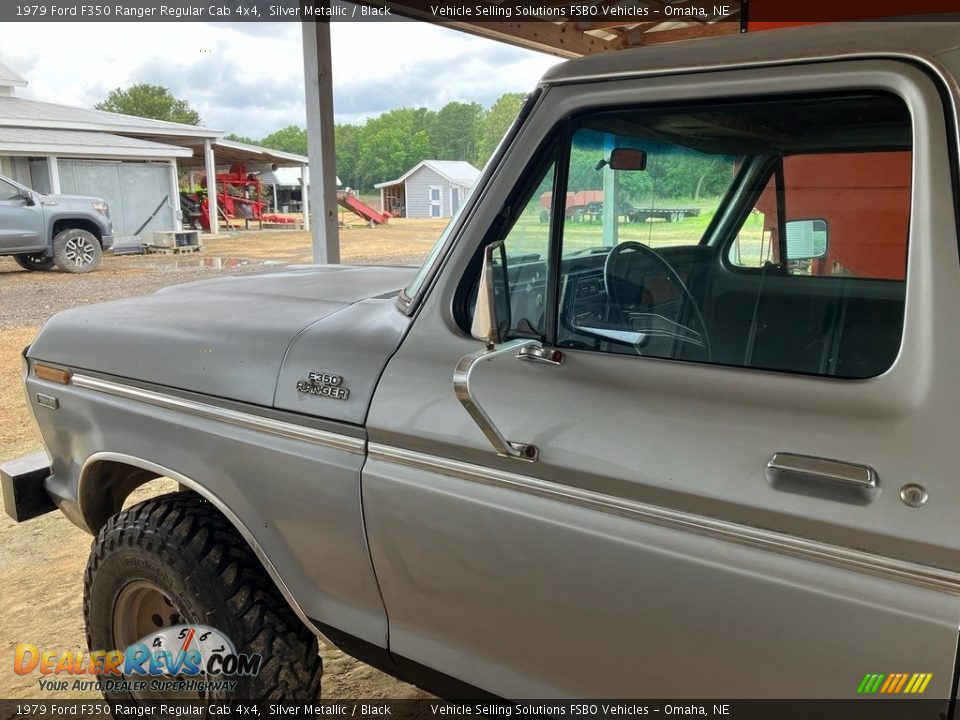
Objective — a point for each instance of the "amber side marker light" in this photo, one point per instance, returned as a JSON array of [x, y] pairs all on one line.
[[52, 374]]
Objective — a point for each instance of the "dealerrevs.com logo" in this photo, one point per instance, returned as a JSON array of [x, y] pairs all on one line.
[[182, 658]]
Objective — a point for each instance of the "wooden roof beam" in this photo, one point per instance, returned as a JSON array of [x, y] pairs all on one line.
[[585, 25], [693, 32], [546, 37]]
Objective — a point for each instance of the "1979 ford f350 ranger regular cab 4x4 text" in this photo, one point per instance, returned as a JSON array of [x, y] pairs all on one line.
[[712, 451]]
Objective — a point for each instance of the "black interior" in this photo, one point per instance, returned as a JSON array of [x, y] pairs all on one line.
[[841, 327]]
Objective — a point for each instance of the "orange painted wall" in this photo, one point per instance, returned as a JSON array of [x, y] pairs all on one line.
[[865, 199]]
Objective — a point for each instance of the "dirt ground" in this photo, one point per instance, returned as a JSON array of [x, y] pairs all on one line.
[[42, 561]]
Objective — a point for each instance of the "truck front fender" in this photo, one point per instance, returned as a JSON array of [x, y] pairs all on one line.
[[107, 478]]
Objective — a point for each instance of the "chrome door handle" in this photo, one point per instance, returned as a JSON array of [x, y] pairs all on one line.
[[806, 467]]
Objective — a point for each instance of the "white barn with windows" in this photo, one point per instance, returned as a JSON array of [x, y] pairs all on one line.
[[431, 188]]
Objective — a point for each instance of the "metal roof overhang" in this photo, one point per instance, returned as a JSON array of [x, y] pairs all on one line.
[[77, 143], [230, 152]]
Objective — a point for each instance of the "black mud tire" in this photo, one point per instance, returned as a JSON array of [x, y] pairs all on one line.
[[76, 251], [35, 262], [182, 545]]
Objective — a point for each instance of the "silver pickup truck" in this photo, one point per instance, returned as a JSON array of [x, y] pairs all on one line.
[[41, 232], [707, 456]]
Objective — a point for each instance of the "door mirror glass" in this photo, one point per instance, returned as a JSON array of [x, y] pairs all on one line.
[[491, 315], [629, 159], [806, 239], [28, 197]]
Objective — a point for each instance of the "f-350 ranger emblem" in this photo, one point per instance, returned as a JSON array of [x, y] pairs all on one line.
[[325, 385]]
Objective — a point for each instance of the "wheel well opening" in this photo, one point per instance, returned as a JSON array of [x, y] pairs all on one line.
[[109, 486], [78, 224]]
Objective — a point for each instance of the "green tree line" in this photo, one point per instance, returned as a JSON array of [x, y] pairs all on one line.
[[386, 146], [671, 173]]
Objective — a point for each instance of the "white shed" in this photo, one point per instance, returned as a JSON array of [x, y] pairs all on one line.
[[432, 188], [286, 185]]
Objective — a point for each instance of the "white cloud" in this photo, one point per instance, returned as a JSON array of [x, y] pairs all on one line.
[[248, 78]]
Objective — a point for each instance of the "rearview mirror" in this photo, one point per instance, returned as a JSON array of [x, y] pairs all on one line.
[[806, 239], [625, 159], [491, 314], [28, 197]]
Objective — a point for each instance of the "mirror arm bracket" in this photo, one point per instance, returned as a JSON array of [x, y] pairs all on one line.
[[462, 386]]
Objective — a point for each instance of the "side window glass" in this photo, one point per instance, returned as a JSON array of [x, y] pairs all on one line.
[[847, 214], [8, 191], [756, 243], [527, 254], [668, 250]]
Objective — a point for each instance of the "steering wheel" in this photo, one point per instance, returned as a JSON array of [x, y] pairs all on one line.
[[663, 326]]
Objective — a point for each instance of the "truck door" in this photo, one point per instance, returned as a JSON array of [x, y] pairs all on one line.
[[21, 225], [721, 470]]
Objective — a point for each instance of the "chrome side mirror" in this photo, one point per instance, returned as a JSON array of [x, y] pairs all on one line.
[[489, 320]]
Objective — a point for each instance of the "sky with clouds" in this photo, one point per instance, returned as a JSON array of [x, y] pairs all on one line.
[[247, 78]]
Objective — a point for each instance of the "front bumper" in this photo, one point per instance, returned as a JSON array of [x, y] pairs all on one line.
[[24, 494]]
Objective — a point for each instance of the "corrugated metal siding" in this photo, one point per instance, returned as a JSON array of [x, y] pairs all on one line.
[[418, 193], [133, 190]]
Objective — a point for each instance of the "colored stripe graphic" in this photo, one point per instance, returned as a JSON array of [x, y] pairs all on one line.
[[894, 683]]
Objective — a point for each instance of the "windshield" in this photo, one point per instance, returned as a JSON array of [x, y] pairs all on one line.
[[416, 285]]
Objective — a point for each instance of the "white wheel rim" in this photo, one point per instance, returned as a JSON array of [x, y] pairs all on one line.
[[79, 251]]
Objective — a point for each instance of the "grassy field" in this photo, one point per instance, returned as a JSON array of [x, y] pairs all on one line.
[[530, 236]]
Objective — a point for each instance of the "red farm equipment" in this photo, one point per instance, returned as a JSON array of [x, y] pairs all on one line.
[[239, 196]]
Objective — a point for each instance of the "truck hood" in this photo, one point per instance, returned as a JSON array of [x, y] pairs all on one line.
[[54, 200], [228, 337]]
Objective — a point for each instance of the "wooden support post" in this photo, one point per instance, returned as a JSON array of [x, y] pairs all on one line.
[[611, 196], [54, 167], [175, 196], [322, 188], [305, 198], [211, 186]]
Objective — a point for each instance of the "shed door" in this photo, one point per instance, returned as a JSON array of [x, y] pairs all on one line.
[[454, 199], [435, 209], [133, 191]]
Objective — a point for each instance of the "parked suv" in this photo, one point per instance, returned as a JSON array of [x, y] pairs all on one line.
[[676, 458], [42, 231]]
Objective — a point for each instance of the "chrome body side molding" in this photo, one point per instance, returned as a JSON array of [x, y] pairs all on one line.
[[233, 417], [798, 547]]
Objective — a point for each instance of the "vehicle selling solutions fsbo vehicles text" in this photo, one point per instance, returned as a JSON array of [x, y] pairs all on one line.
[[546, 12]]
